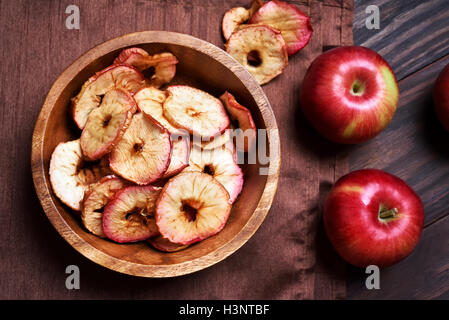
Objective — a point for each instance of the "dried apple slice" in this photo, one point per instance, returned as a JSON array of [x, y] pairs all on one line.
[[191, 207], [150, 101], [143, 154], [220, 164], [151, 93], [293, 24], [164, 245], [260, 49], [116, 76], [127, 217], [95, 199], [136, 57], [180, 155], [242, 119], [215, 142], [195, 111], [164, 64], [235, 17], [164, 70], [106, 124], [70, 175]]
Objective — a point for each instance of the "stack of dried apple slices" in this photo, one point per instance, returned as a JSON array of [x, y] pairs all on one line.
[[153, 163], [262, 37]]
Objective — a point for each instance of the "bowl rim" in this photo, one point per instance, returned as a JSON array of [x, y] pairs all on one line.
[[98, 256]]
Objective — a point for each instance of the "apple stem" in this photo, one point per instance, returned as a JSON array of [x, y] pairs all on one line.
[[387, 214]]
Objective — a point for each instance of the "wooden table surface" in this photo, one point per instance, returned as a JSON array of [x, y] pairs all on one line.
[[413, 37]]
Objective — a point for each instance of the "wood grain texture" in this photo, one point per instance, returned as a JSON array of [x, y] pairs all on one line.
[[282, 260], [423, 275], [413, 37], [412, 33], [413, 147], [309, 168]]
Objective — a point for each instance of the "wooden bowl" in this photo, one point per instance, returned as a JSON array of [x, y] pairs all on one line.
[[201, 65]]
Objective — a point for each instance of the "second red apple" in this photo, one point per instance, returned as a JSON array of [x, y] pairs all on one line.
[[441, 97]]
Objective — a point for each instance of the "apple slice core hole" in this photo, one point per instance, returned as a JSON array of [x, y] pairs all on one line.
[[137, 147], [87, 165], [208, 169], [190, 210], [106, 120], [253, 58], [136, 216], [149, 73]]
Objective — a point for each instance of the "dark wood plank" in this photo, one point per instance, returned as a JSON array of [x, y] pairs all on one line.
[[423, 275], [412, 33], [414, 145], [282, 260]]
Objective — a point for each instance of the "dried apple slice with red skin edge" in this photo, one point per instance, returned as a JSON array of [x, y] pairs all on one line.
[[191, 207], [232, 19], [220, 164], [293, 24], [165, 70], [235, 17], [242, 119], [127, 218], [180, 155], [71, 175], [223, 141], [120, 76], [136, 57], [214, 142], [107, 123], [151, 93], [164, 64], [196, 111], [260, 49], [95, 199], [150, 101], [164, 245], [143, 154]]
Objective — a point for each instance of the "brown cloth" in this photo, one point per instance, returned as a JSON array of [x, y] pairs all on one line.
[[289, 257]]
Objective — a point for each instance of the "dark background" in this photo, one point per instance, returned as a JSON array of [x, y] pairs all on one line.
[[413, 37]]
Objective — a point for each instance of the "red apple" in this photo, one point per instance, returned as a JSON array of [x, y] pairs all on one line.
[[441, 97], [349, 94], [373, 218]]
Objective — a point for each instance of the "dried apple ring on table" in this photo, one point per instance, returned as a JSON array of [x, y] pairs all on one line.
[[235, 17], [260, 49], [294, 25]]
